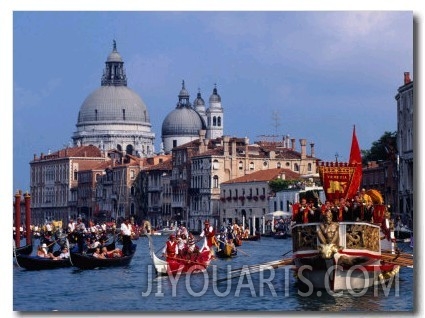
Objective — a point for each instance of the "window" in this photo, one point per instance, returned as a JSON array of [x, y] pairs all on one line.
[[296, 167], [251, 166], [214, 121], [215, 182], [123, 114], [216, 165], [309, 167], [240, 165], [219, 121], [279, 165]]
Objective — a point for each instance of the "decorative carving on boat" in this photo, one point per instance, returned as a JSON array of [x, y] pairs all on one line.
[[304, 238], [362, 236], [328, 234]]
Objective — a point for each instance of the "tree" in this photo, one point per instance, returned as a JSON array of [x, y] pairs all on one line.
[[383, 149], [277, 185]]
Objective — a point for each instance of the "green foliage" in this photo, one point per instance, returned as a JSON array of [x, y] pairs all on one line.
[[383, 149], [277, 185]]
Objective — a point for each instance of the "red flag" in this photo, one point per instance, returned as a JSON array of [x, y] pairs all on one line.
[[355, 160], [355, 154]]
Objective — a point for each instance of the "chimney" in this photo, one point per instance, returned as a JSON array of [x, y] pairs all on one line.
[[226, 146], [313, 154], [233, 147], [202, 141], [303, 143], [407, 79], [293, 144]]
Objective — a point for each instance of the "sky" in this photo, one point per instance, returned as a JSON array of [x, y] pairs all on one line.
[[320, 68], [311, 75]]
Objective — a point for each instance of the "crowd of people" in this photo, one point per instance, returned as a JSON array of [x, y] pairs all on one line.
[[360, 208]]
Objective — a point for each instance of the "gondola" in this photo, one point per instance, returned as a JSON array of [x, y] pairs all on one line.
[[88, 261], [24, 250], [255, 237], [226, 252], [32, 262], [280, 235]]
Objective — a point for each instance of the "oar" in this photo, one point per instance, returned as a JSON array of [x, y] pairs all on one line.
[[256, 268], [238, 249]]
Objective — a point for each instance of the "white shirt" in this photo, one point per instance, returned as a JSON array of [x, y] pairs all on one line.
[[125, 229]]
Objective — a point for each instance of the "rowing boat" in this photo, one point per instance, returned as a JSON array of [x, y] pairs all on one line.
[[190, 263]]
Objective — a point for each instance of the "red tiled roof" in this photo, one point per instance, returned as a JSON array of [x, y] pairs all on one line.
[[73, 152], [265, 175]]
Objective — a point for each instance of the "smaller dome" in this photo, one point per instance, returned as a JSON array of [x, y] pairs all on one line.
[[215, 98], [182, 122], [199, 101]]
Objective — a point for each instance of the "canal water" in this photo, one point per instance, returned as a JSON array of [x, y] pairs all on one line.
[[136, 288]]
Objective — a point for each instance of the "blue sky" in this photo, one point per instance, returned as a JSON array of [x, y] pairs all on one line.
[[320, 72]]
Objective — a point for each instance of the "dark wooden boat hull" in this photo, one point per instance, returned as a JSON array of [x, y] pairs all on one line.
[[251, 238], [222, 254], [40, 263], [24, 250], [280, 235], [86, 261]]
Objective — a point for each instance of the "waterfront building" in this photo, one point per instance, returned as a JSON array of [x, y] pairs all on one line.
[[405, 142], [54, 181], [114, 116], [201, 166], [245, 200], [157, 189]]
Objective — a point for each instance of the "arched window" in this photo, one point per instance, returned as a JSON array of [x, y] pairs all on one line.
[[240, 165], [296, 167], [309, 167], [279, 165], [219, 121], [251, 165], [214, 121], [215, 182]]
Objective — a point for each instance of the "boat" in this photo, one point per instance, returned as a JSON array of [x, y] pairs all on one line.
[[166, 230], [33, 262], [339, 255], [283, 234], [179, 264], [402, 232], [255, 237], [24, 250], [88, 261], [225, 249]]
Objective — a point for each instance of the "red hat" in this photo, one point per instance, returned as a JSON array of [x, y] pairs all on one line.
[[172, 236]]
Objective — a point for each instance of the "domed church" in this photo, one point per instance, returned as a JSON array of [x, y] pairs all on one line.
[[114, 116], [183, 124]]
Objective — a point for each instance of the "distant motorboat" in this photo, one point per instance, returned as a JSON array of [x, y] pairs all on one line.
[[166, 230], [402, 232]]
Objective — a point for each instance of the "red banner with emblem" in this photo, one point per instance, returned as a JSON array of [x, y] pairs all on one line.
[[336, 180]]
